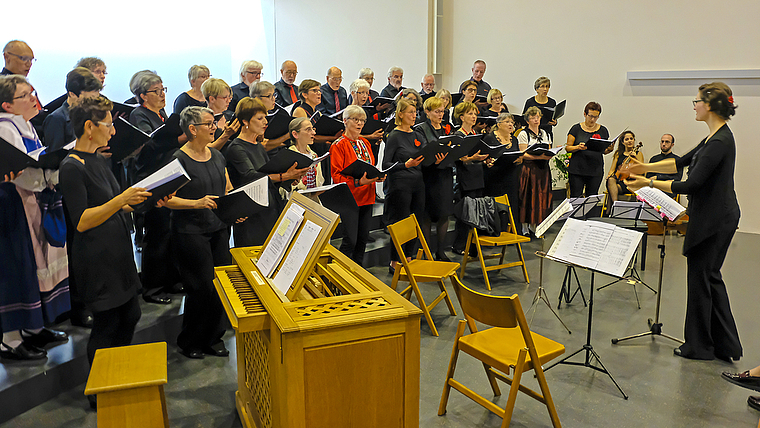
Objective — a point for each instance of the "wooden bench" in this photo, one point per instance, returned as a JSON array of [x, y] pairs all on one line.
[[129, 382]]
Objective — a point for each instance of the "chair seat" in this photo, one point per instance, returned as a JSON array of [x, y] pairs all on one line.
[[490, 347], [505, 238], [430, 270]]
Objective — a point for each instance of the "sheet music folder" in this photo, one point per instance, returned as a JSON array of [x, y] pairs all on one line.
[[162, 183], [239, 203]]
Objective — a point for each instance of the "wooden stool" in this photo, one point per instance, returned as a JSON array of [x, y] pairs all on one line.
[[129, 384]]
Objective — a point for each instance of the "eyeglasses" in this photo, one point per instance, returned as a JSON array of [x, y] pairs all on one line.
[[470, 90], [697, 101], [157, 91], [23, 58], [255, 73], [360, 121], [266, 96], [211, 124], [591, 116], [315, 91], [308, 128], [336, 79], [290, 73], [25, 95], [106, 124]]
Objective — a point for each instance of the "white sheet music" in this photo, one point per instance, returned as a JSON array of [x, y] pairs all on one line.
[[563, 208], [257, 190], [320, 188], [661, 202], [320, 159], [169, 172], [281, 238], [297, 256], [595, 245]]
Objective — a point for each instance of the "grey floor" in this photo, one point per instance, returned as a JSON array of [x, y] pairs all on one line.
[[664, 390]]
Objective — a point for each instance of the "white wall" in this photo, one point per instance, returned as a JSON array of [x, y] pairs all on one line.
[[586, 47]]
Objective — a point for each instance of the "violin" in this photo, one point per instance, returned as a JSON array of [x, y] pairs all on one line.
[[622, 172]]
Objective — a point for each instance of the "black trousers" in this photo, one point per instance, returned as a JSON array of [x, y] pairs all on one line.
[[113, 327], [578, 182], [159, 266], [400, 204], [202, 322], [461, 229], [710, 329], [356, 234]]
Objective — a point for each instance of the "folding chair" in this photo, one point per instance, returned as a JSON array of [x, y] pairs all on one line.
[[508, 346], [419, 269], [510, 237]]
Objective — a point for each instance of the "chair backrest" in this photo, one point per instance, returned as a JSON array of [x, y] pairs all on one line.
[[404, 231], [504, 199]]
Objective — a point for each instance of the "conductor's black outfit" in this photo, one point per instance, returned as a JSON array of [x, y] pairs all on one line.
[[710, 329]]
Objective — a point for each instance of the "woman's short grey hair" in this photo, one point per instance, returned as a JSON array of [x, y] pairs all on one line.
[[503, 117], [354, 112], [295, 125], [366, 71], [394, 69], [141, 83], [358, 84], [540, 81], [417, 96], [259, 88], [90, 63], [196, 71], [192, 115], [249, 64]]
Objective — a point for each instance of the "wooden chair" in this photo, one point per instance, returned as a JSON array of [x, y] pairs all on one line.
[[508, 346], [419, 269], [510, 237]]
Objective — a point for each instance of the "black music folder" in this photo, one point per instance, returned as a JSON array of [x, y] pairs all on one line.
[[543, 149], [52, 160], [284, 159], [122, 110], [381, 100], [162, 183], [128, 139], [559, 111], [508, 158], [277, 124], [600, 144], [335, 197], [358, 168], [491, 151], [170, 130], [460, 146], [429, 151], [244, 201], [326, 125], [12, 159], [487, 120]]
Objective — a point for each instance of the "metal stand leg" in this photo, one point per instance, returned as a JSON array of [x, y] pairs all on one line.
[[541, 295], [589, 348], [655, 327], [566, 284], [632, 278]]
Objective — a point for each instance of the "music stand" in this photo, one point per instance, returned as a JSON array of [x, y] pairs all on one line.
[[655, 328], [581, 208], [587, 347], [636, 211]]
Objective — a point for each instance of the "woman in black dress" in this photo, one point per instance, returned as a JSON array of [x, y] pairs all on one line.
[[194, 97], [439, 182], [246, 155], [503, 177], [545, 103], [102, 254], [201, 240], [586, 168], [710, 330], [406, 189]]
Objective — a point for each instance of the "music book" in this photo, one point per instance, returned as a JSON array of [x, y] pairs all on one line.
[[456, 98], [634, 210], [429, 151], [281, 238], [51, 160], [14, 160], [508, 157], [162, 183], [543, 149], [284, 159], [563, 208], [426, 96], [122, 110], [595, 245], [326, 125], [382, 100], [170, 130], [520, 121], [600, 144], [488, 120], [372, 125], [277, 124], [297, 256], [359, 167], [128, 139], [492, 151], [243, 201], [661, 202], [460, 146], [335, 197], [559, 111]]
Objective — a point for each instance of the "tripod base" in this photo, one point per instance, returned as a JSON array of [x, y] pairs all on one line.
[[541, 296], [655, 329], [587, 363], [566, 284]]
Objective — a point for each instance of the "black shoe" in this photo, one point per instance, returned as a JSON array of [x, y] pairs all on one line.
[[743, 379], [44, 337], [441, 257], [160, 300], [218, 350], [754, 402], [679, 353], [82, 320], [195, 354], [177, 288], [458, 251], [23, 352]]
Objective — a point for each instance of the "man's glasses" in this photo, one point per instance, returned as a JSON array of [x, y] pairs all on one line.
[[24, 58]]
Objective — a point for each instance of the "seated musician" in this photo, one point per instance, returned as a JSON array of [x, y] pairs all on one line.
[[625, 149], [667, 141]]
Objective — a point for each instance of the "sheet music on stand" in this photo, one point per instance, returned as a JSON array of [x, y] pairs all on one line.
[[662, 203], [582, 206], [635, 211], [297, 256], [563, 208], [595, 245], [272, 254]]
